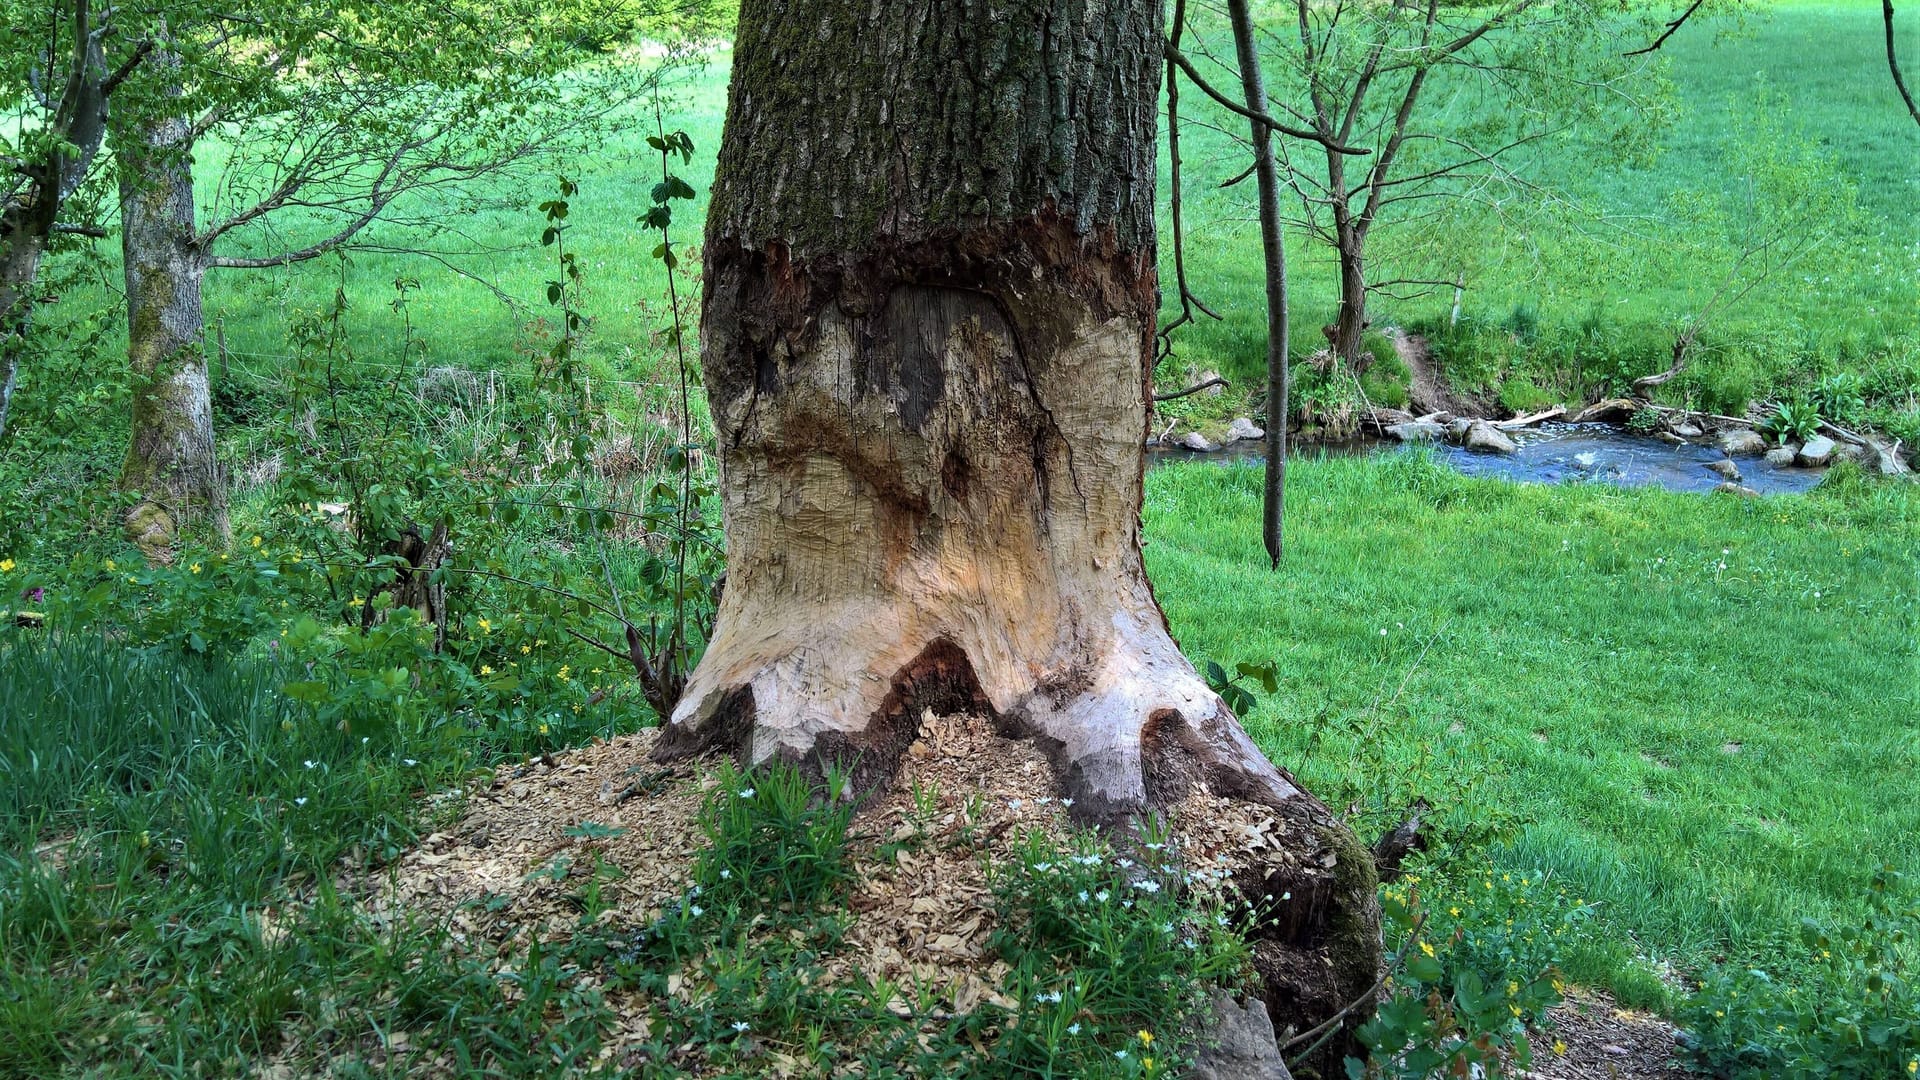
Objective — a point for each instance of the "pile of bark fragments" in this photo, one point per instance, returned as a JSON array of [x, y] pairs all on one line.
[[507, 873]]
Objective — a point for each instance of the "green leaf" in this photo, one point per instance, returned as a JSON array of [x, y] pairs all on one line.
[[308, 691]]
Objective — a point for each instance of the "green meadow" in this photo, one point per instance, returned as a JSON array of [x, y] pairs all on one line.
[[1702, 713]]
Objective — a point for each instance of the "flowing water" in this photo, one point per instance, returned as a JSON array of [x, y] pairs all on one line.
[[1561, 453]]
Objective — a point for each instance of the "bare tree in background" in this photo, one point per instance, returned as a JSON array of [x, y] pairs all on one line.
[[324, 132], [55, 64]]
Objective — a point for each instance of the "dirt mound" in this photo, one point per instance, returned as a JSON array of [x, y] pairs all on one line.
[[507, 872]]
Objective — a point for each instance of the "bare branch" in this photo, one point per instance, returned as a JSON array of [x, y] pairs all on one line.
[[1674, 27], [1179, 59], [1194, 389], [1893, 63]]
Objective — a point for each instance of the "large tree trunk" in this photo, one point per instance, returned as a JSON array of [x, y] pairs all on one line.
[[927, 340], [170, 455]]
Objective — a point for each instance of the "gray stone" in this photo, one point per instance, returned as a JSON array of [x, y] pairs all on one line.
[[1384, 417], [1198, 443], [1415, 431], [1239, 1044], [1688, 431], [1818, 451], [1243, 429], [1486, 438], [1725, 468], [1669, 437], [1743, 442], [1208, 376], [1731, 488], [1780, 457], [1458, 427]]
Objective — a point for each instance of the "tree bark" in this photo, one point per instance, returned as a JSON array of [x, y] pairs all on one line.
[[19, 268], [1350, 324], [1274, 257], [927, 340], [170, 459]]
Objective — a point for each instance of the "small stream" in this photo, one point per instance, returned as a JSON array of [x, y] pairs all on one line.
[[1555, 453]]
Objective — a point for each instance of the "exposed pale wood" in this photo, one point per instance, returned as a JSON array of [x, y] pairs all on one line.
[[1530, 419]]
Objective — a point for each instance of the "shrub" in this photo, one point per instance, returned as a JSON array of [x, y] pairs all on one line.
[[1792, 421], [1841, 398], [1843, 1002], [1109, 954], [1473, 967], [772, 834]]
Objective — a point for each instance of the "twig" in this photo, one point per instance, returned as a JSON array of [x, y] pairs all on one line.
[[1893, 62], [1215, 381], [1180, 60], [1674, 26]]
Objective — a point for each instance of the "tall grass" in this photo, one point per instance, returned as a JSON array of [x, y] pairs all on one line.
[[157, 815]]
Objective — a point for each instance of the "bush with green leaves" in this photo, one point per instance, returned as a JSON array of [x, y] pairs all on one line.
[[1792, 421], [1475, 965], [1841, 1001], [1840, 398]]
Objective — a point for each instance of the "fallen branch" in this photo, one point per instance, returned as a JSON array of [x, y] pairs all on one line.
[[1530, 419], [1215, 381]]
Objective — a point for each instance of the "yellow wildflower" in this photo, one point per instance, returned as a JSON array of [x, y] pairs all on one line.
[[1512, 988], [195, 568], [1426, 947], [543, 729], [6, 566], [566, 672], [256, 541], [1146, 1038], [110, 566], [486, 669], [525, 649], [1560, 1046], [485, 627]]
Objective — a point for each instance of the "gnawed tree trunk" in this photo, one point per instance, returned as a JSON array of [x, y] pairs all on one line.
[[927, 340], [170, 453]]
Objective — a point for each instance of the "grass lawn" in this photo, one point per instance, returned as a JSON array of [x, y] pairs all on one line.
[[1852, 307], [1703, 709]]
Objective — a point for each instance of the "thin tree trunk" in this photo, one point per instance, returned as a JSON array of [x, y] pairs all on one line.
[[170, 458], [29, 220], [1350, 325], [1274, 253], [927, 337], [19, 269]]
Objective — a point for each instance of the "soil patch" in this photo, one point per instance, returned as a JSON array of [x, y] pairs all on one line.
[[1605, 1042], [1426, 386]]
